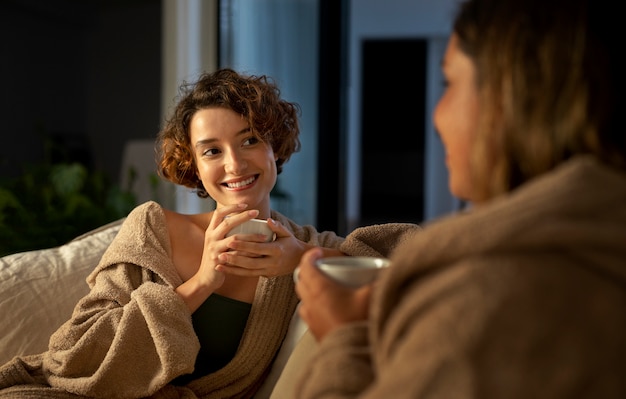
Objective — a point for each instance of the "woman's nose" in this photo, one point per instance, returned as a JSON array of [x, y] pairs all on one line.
[[235, 163]]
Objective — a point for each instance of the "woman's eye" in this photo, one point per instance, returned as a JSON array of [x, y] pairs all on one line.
[[251, 141], [210, 151]]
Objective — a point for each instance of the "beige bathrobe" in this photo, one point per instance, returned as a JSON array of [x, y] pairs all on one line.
[[523, 298], [132, 333]]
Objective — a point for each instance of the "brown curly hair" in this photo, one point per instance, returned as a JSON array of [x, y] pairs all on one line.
[[256, 98]]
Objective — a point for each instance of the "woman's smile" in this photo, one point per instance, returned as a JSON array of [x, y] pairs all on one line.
[[241, 184]]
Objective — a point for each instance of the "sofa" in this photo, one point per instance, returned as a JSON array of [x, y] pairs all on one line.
[[38, 291]]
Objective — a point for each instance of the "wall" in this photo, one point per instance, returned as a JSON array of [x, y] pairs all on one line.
[[124, 63], [40, 93], [429, 19], [86, 70]]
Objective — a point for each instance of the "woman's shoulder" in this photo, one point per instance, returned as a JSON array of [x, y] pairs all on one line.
[[142, 240], [180, 223], [151, 213], [147, 209], [145, 215]]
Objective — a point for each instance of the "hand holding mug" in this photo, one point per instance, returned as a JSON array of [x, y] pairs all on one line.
[[327, 303]]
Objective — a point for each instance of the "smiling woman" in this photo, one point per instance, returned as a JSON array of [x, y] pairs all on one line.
[[169, 278]]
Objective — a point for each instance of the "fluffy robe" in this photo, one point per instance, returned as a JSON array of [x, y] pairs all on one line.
[[521, 298]]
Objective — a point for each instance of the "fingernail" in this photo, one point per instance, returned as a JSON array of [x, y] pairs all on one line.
[[253, 212], [242, 206]]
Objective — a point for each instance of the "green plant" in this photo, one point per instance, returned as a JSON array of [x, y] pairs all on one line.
[[50, 204]]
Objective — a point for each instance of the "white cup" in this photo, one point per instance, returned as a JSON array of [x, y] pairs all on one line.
[[253, 226], [353, 271]]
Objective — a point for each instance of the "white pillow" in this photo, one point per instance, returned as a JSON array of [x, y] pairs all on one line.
[[39, 289]]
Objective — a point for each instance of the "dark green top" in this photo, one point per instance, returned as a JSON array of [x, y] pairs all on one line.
[[219, 323]]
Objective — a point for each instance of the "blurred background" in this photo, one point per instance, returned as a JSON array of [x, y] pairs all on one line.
[[87, 84]]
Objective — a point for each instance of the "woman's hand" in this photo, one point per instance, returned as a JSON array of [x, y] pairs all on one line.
[[325, 304], [208, 278], [251, 256]]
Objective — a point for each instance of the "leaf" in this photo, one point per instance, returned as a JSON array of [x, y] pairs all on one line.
[[68, 179]]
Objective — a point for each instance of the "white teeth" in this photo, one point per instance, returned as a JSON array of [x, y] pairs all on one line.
[[240, 183]]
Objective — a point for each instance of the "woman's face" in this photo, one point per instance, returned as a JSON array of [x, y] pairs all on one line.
[[233, 164], [456, 118]]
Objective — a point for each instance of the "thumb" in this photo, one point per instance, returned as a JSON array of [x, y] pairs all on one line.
[[311, 255], [278, 228]]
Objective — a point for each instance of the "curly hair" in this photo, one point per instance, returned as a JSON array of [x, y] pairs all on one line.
[[256, 98]]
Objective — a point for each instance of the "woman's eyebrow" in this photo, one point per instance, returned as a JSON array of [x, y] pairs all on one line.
[[204, 142], [243, 131]]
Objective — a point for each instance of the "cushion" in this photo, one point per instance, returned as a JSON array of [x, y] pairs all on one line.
[[39, 289]]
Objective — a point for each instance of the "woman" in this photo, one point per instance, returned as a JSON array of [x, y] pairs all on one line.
[[177, 308], [523, 295]]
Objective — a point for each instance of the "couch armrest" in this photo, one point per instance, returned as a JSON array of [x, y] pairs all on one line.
[[297, 328]]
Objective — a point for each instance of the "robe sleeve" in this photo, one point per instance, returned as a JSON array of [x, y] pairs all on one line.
[[341, 367], [378, 240], [131, 334]]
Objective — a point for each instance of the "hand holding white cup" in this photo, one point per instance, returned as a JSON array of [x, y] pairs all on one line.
[[352, 271]]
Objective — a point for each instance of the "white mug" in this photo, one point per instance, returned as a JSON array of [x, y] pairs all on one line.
[[253, 226]]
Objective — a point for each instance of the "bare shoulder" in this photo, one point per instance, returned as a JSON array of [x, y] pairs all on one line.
[[185, 229], [177, 221]]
